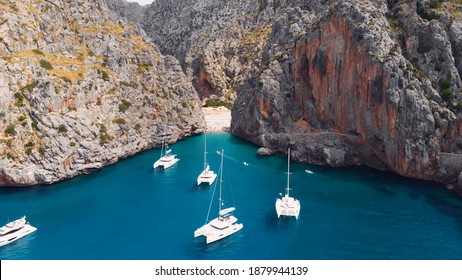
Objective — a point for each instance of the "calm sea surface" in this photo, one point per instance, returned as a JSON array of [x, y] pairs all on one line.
[[130, 211]]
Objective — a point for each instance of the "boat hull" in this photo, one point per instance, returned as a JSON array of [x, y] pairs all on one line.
[[9, 238], [165, 164], [218, 229], [288, 206], [211, 234], [206, 178], [215, 237]]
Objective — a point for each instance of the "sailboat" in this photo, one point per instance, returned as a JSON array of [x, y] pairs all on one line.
[[166, 159], [225, 224], [286, 205], [207, 175]]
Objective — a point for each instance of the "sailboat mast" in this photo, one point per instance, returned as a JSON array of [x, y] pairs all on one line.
[[288, 172], [220, 202], [205, 151]]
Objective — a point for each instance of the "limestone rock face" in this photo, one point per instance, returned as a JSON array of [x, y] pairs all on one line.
[[216, 41], [368, 82], [81, 88], [130, 10]]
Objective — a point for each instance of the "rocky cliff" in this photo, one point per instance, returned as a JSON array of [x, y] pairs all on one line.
[[132, 11], [361, 82], [81, 88], [371, 82], [216, 41]]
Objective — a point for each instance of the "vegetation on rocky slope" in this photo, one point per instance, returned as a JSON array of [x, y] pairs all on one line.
[[81, 88], [370, 82]]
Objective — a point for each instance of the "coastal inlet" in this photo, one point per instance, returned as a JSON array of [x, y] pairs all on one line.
[[130, 211]]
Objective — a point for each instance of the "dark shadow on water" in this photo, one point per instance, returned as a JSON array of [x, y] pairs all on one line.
[[201, 187], [435, 194], [42, 188], [385, 182], [271, 220], [384, 191], [273, 223], [16, 190], [448, 205]]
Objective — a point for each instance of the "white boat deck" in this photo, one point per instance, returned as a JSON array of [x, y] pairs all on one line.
[[166, 161], [14, 230], [222, 226], [206, 176], [288, 206]]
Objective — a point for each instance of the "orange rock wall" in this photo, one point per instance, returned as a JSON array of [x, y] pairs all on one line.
[[349, 92], [205, 84]]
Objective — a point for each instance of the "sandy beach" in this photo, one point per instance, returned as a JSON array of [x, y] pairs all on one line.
[[218, 119]]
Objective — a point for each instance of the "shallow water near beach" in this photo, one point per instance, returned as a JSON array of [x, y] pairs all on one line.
[[130, 211]]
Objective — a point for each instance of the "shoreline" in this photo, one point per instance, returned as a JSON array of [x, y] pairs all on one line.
[[218, 119]]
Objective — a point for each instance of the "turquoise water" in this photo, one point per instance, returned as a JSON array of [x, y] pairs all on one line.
[[130, 211]]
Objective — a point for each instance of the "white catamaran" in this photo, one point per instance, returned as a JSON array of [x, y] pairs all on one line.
[[14, 230], [207, 175], [166, 159], [225, 224], [288, 206]]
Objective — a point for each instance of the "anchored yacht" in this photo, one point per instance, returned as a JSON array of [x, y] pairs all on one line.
[[14, 230], [167, 158], [222, 226], [207, 175], [287, 205]]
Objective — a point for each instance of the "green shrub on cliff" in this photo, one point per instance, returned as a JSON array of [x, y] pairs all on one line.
[[104, 137], [45, 64], [218, 103], [62, 128], [30, 86], [37, 51], [435, 4], [447, 94], [124, 106], [445, 85], [127, 84], [10, 130], [19, 99], [104, 75], [120, 121], [458, 107], [29, 144], [143, 67], [34, 125], [41, 151], [426, 13]]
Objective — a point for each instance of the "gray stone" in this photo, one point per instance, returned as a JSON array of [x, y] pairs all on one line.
[[264, 151], [109, 95], [460, 180]]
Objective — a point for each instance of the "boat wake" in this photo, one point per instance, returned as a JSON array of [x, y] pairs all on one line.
[[233, 159]]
